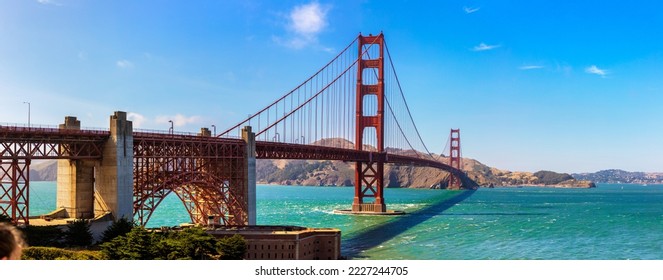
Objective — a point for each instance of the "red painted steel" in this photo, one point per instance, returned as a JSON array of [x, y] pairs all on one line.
[[454, 157], [206, 173], [272, 150], [20, 145], [369, 175]]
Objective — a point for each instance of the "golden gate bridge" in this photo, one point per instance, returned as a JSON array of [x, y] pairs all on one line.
[[353, 109]]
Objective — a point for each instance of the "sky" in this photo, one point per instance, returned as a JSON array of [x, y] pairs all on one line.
[[567, 86]]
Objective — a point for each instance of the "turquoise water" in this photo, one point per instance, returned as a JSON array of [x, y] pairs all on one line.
[[609, 222]]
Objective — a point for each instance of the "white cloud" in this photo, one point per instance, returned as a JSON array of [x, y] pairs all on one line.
[[178, 119], [124, 64], [308, 19], [469, 10], [137, 119], [530, 67], [305, 23], [595, 70], [483, 47]]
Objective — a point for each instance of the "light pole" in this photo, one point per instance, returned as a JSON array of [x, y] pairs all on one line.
[[28, 112], [214, 127], [172, 128]]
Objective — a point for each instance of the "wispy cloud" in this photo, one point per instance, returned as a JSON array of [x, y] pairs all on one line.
[[530, 67], [305, 23], [124, 64], [595, 70], [137, 119], [178, 119], [483, 47], [469, 10], [48, 2]]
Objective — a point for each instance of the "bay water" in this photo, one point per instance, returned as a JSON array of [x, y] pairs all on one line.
[[610, 222]]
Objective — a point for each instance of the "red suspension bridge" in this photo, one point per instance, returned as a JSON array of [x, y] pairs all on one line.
[[353, 109]]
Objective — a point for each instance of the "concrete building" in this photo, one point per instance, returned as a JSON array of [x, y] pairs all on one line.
[[286, 242]]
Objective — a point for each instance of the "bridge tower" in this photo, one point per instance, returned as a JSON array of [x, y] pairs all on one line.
[[369, 176], [454, 157]]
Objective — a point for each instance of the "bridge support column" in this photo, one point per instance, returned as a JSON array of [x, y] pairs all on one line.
[[454, 158], [75, 181], [369, 177], [250, 174], [115, 174]]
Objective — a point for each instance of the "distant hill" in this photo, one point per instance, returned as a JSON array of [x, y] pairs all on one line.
[[329, 173], [616, 176], [338, 173], [46, 170]]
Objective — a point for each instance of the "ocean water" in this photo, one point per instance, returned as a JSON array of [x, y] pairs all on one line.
[[613, 222]]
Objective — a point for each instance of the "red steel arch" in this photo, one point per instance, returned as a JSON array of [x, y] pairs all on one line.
[[205, 172]]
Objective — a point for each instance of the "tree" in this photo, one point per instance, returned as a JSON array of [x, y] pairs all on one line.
[[232, 248], [78, 234], [118, 228], [138, 244], [188, 244]]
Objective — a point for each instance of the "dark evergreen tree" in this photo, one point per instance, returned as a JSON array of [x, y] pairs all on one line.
[[232, 248], [188, 244], [138, 244], [118, 228], [78, 234]]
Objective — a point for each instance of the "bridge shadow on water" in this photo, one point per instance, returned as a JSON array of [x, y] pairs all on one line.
[[378, 234]]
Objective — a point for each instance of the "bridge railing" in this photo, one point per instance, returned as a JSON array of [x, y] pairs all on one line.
[[175, 133], [15, 127]]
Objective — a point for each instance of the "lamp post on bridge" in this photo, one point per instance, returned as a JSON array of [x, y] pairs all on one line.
[[172, 128], [25, 102]]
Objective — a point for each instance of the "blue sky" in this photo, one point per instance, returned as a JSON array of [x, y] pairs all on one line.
[[569, 86]]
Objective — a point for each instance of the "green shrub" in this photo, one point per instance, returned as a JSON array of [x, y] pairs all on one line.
[[50, 253], [46, 236]]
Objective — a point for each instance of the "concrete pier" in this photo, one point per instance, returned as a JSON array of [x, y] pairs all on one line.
[[115, 177], [75, 182], [112, 177]]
